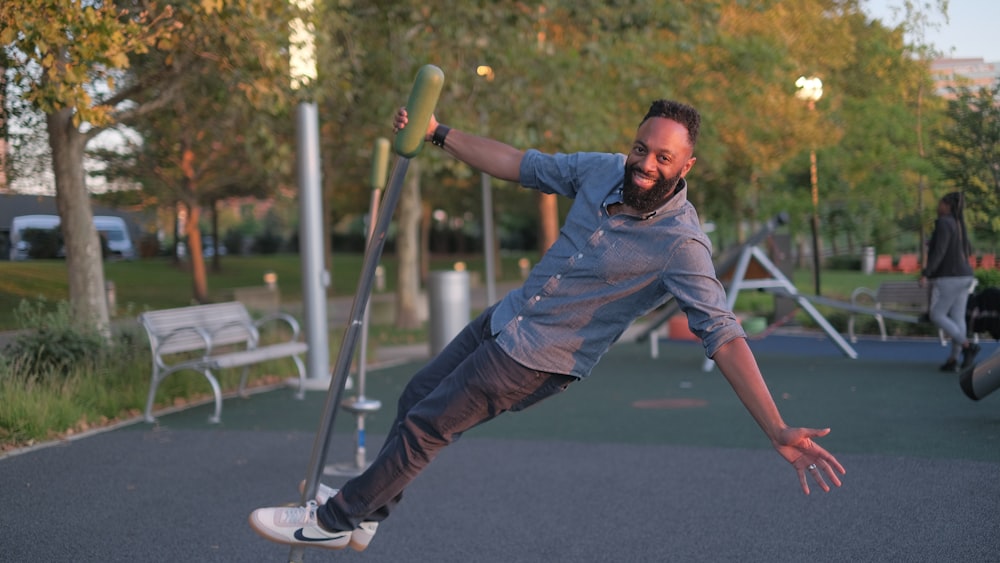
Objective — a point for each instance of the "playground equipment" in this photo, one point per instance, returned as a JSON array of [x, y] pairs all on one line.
[[407, 144], [980, 380], [361, 405], [734, 270]]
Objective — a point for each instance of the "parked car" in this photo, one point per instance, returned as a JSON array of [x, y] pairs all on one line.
[[19, 248], [115, 232], [207, 248], [112, 229]]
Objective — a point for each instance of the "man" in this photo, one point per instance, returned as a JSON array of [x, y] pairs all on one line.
[[631, 240]]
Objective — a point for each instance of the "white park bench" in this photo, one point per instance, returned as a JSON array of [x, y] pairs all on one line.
[[206, 338]]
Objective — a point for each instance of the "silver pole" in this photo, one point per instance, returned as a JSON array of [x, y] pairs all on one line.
[[315, 278], [373, 254], [423, 98], [489, 241]]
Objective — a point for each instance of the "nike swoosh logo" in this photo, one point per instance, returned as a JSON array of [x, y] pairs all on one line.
[[302, 537]]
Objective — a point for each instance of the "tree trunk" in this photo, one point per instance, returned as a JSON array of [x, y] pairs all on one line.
[[199, 278], [426, 221], [177, 232], [216, 258], [407, 249], [548, 214], [84, 263]]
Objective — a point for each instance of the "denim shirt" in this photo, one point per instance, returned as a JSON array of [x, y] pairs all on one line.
[[605, 271]]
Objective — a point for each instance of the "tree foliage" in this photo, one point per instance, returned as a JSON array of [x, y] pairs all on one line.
[[568, 75], [969, 155], [67, 59], [225, 132]]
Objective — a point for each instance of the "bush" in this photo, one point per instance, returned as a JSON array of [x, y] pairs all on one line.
[[987, 278], [233, 241], [268, 242], [50, 345], [844, 262], [57, 377]]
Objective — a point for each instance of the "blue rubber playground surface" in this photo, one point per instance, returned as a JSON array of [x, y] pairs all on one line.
[[650, 459]]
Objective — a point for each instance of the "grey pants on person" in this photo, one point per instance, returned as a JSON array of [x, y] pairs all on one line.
[[471, 381], [949, 297]]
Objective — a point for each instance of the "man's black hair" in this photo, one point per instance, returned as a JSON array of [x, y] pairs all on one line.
[[676, 111]]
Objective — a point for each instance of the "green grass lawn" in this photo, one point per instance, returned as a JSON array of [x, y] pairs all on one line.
[[102, 388], [159, 283]]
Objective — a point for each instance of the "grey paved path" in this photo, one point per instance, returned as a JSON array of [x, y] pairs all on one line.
[[648, 460]]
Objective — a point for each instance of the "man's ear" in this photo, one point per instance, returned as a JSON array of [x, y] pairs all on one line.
[[688, 166]]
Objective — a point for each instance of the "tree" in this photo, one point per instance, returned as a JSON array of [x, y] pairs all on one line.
[[969, 154], [874, 173], [68, 57], [226, 131]]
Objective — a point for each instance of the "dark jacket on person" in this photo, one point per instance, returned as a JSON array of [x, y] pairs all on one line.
[[946, 253]]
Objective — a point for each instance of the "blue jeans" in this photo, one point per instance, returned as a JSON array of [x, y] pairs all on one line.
[[471, 381]]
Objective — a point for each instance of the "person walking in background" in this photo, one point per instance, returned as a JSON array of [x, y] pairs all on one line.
[[630, 241], [951, 278]]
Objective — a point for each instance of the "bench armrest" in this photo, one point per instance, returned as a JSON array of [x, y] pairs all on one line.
[[292, 323], [865, 292]]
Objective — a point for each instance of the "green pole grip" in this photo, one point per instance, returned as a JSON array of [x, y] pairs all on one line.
[[423, 99], [380, 163]]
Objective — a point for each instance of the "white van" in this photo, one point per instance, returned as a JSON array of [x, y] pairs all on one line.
[[113, 229], [18, 246]]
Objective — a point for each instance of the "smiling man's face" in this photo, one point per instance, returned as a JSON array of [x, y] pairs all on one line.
[[660, 157]]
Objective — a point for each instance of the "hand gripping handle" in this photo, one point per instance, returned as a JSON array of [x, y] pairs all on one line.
[[423, 99]]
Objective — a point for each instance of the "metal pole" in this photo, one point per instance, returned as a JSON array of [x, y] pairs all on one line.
[[815, 217], [361, 405], [315, 278], [489, 241], [408, 143], [343, 367]]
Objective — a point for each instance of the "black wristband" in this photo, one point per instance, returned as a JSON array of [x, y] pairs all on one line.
[[440, 133]]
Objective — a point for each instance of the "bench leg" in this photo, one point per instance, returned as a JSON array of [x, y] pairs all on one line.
[[242, 391], [301, 394], [153, 385], [850, 328], [217, 391]]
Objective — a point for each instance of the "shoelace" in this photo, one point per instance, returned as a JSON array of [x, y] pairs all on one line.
[[300, 515]]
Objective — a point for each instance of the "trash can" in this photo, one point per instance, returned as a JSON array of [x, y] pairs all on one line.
[[868, 260], [449, 309]]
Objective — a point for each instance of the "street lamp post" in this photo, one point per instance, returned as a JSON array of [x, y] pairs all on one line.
[[811, 90], [489, 231]]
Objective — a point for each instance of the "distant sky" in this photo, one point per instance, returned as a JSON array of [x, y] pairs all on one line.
[[971, 31]]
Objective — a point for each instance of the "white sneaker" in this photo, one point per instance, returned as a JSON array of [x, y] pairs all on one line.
[[362, 535], [296, 525]]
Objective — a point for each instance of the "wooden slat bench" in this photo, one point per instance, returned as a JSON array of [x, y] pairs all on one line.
[[211, 337]]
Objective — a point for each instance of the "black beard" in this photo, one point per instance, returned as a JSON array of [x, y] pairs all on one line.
[[647, 201]]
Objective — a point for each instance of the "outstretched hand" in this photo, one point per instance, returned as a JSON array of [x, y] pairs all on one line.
[[401, 118], [809, 459]]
